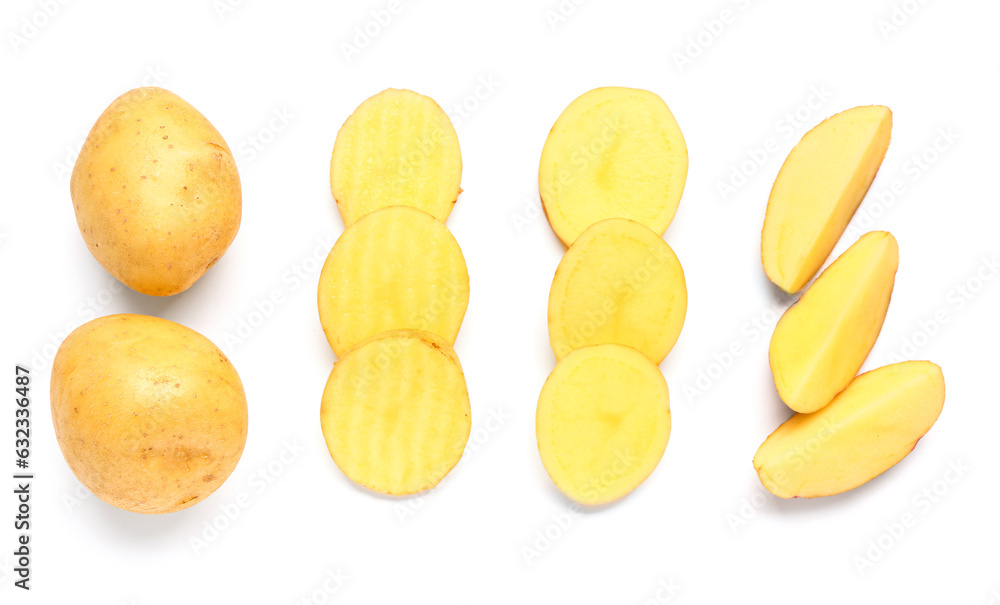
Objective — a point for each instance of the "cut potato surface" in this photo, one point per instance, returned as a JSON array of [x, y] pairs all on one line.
[[395, 412], [613, 153], [822, 341], [603, 422], [619, 283], [870, 426], [397, 148], [818, 189], [396, 268]]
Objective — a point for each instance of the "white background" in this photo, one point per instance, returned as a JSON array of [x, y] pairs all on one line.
[[702, 522]]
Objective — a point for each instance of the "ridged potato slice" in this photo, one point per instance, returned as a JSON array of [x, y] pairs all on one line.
[[613, 153], [395, 268], [869, 427], [395, 412], [618, 283], [822, 341], [397, 148], [818, 189], [602, 423]]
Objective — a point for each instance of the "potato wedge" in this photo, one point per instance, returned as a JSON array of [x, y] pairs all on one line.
[[395, 268], [619, 282], [602, 423], [613, 153], [396, 413], [822, 341], [818, 189], [397, 148], [869, 427]]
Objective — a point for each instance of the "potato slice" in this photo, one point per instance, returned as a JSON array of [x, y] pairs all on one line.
[[873, 424], [395, 412], [818, 189], [603, 422], [396, 268], [822, 341], [618, 283], [613, 153], [397, 148]]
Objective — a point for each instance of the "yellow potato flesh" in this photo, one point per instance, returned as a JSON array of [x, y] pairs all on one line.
[[395, 412], [822, 341], [396, 268], [150, 415], [156, 192], [618, 283], [603, 421], [397, 148], [613, 153], [869, 427], [818, 189]]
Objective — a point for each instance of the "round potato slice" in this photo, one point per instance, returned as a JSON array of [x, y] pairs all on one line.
[[614, 152], [398, 147], [397, 268], [618, 283], [395, 412], [603, 422]]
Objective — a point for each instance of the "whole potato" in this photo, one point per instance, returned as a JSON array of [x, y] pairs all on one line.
[[150, 415], [156, 192]]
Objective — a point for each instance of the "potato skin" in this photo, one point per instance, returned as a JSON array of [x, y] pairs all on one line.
[[149, 414], [156, 192]]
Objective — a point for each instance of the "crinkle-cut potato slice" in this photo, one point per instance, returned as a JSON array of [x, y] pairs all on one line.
[[396, 268], [613, 153], [822, 341], [620, 283], [603, 422], [395, 412], [869, 427], [397, 148], [818, 189]]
